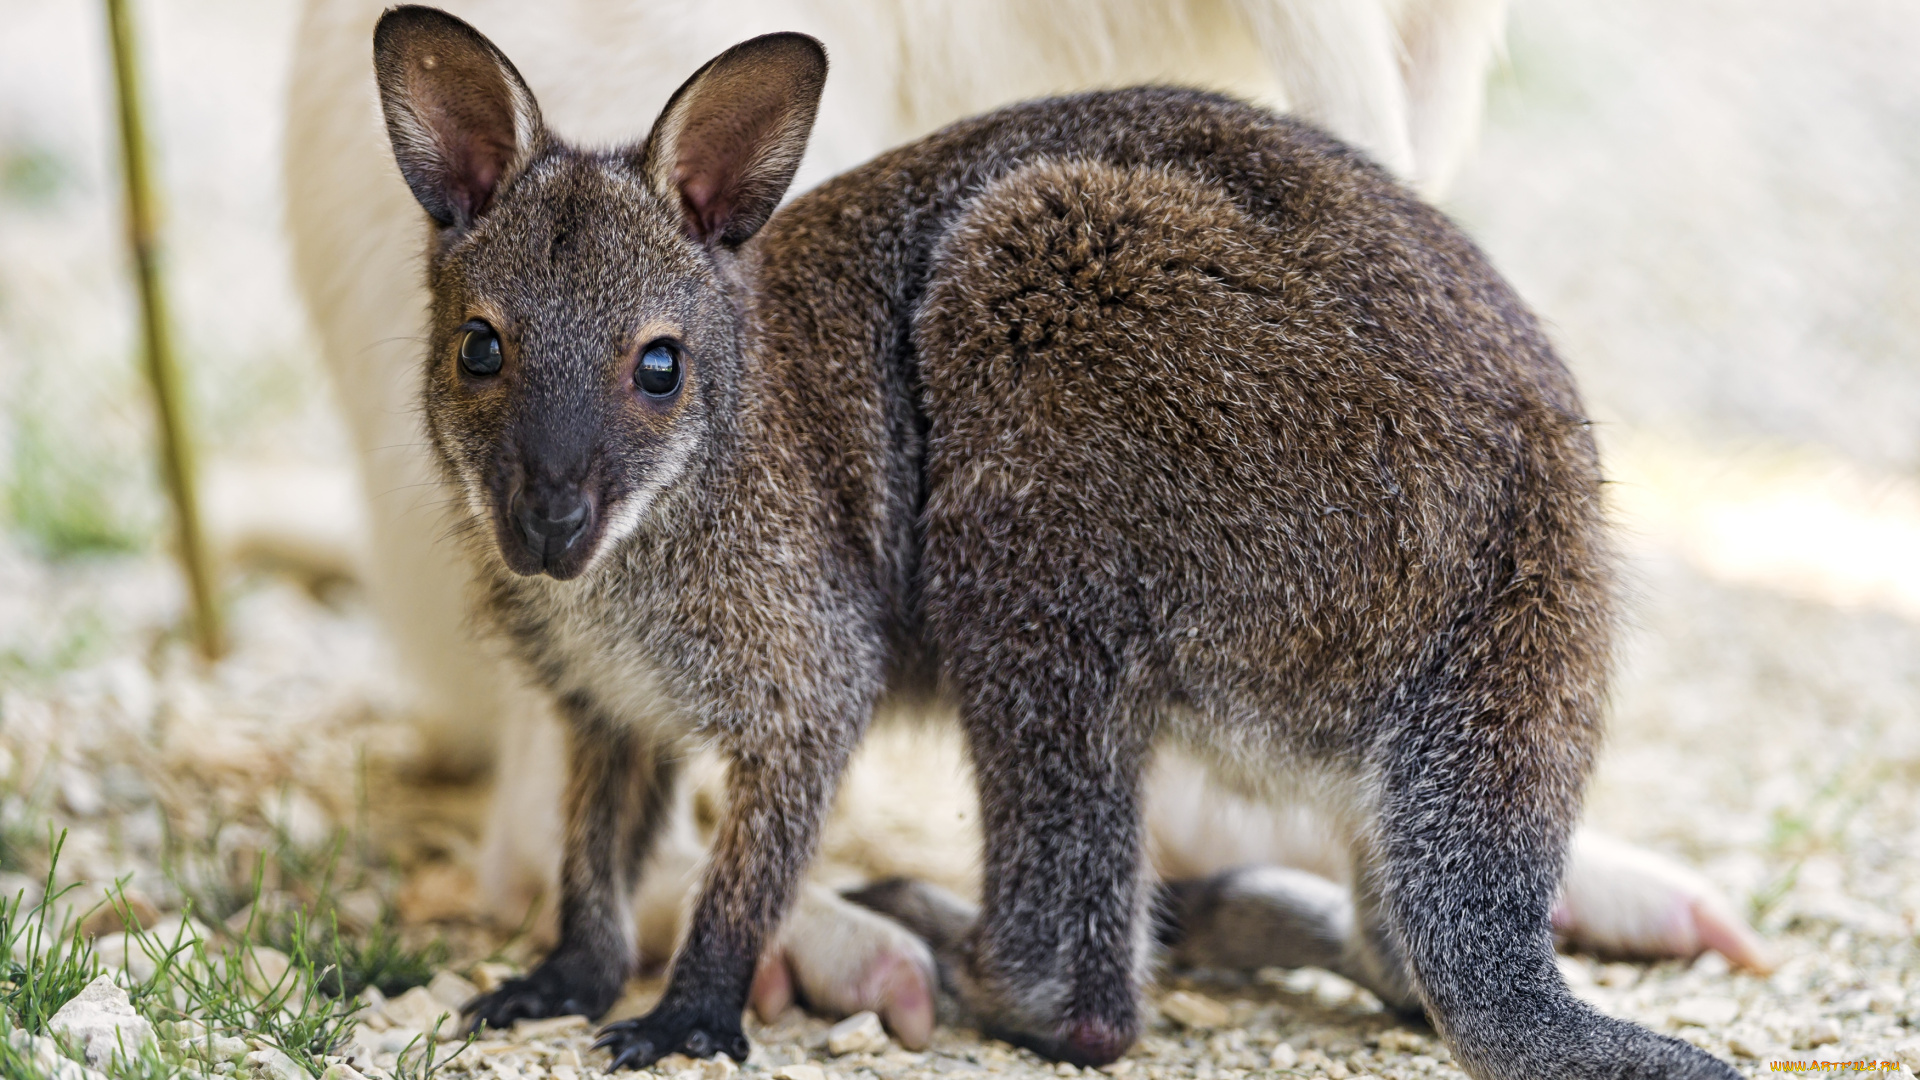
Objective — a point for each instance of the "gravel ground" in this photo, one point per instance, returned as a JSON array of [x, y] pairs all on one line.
[[1711, 203]]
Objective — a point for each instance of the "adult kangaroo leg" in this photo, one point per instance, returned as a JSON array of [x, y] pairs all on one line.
[[619, 792]]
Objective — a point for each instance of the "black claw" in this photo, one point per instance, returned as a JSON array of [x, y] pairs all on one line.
[[638, 1043]]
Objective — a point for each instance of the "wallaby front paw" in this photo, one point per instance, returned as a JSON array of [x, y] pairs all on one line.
[[638, 1043], [554, 988]]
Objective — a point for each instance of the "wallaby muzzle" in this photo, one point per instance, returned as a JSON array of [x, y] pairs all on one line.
[[549, 501], [552, 525]]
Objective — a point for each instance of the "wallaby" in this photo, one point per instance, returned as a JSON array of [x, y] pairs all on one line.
[[1398, 79], [1121, 418]]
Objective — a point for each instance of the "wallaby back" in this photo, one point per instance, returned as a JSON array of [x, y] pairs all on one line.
[[1116, 418]]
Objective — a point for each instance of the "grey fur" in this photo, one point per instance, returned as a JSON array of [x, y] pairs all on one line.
[[1115, 419]]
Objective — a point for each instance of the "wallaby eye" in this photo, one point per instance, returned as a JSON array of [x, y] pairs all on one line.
[[658, 373], [479, 349]]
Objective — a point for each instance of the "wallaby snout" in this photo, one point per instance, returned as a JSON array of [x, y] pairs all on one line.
[[551, 523]]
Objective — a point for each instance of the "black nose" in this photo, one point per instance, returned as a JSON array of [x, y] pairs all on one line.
[[552, 524]]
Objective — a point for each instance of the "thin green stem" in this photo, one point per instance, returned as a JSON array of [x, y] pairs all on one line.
[[143, 232]]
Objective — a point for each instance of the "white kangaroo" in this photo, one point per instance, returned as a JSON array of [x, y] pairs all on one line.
[[1400, 79]]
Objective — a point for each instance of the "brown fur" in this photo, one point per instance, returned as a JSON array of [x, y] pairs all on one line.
[[1126, 418]]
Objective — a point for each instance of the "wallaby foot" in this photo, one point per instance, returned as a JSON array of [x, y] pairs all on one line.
[[565, 984], [693, 1031]]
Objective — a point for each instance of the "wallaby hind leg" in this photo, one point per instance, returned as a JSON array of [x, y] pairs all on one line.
[[619, 792], [1056, 960], [1474, 812]]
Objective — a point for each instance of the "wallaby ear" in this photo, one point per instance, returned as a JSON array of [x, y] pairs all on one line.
[[730, 138], [462, 121]]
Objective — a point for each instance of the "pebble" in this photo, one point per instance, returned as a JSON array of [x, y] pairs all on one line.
[[417, 1009], [274, 1065], [45, 1053], [101, 1019], [342, 1071], [80, 792], [1193, 1010], [1284, 1056], [267, 969], [119, 912], [119, 952], [801, 1071], [216, 1047], [1618, 976], [1749, 1042], [1706, 1012], [488, 975], [1822, 1032], [860, 1033], [549, 1026], [451, 990]]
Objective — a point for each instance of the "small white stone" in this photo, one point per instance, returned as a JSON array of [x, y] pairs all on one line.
[[860, 1033], [266, 969], [342, 1071], [1618, 976], [801, 1071], [1749, 1042], [1706, 1012], [552, 1025], [80, 791], [1195, 1010], [451, 990], [1823, 1031], [119, 952], [718, 1067], [1284, 1056], [102, 1020], [274, 1065], [1712, 965], [488, 976], [216, 1047], [416, 1009]]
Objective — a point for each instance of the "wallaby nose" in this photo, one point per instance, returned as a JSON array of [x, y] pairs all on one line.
[[550, 525]]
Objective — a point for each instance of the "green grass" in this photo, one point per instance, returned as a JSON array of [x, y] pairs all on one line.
[[45, 959], [309, 882], [35, 176], [1820, 823], [218, 985], [60, 493], [75, 642]]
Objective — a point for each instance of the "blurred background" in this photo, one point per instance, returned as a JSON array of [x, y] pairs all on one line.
[[1715, 206]]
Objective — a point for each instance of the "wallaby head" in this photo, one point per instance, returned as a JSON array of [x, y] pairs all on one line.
[[584, 344]]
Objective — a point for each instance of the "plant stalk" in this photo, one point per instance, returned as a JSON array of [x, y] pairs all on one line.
[[143, 232]]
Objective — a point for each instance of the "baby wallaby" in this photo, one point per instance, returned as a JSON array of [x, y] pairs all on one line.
[[1118, 419]]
